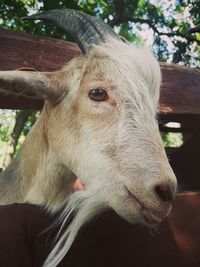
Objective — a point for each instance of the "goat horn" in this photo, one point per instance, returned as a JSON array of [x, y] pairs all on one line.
[[85, 29]]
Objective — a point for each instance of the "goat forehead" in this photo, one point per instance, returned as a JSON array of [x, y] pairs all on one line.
[[107, 67], [128, 68], [127, 58], [131, 88], [113, 76]]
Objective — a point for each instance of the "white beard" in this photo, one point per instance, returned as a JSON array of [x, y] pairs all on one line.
[[84, 206]]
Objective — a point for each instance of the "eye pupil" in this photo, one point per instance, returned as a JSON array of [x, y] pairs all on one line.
[[98, 94]]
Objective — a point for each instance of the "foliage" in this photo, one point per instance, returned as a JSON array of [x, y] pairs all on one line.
[[28, 123], [6, 124], [172, 139], [14, 126], [169, 24], [4, 133]]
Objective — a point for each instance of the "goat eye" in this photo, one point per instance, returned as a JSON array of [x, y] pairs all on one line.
[[98, 94]]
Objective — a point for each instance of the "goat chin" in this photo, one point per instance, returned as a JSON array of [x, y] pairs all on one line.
[[83, 206]]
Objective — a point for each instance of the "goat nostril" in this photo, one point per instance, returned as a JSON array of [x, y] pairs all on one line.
[[164, 192]]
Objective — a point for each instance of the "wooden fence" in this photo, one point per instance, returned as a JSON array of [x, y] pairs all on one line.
[[180, 94]]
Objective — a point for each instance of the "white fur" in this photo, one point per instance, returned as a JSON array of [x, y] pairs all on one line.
[[137, 75], [113, 147]]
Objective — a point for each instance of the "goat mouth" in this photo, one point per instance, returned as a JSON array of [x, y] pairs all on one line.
[[149, 217]]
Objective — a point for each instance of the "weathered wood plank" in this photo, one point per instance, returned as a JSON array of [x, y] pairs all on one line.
[[22, 50], [180, 94]]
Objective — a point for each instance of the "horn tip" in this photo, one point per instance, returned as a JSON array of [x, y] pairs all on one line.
[[33, 17], [23, 18]]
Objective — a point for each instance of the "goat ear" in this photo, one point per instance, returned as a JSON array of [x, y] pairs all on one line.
[[32, 84]]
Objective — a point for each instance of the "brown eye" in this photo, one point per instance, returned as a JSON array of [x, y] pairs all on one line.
[[98, 94]]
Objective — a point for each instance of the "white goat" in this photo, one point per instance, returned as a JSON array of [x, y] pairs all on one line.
[[98, 124]]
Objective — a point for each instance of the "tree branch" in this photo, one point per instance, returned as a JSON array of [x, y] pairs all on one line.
[[119, 6], [119, 19], [188, 37], [194, 30], [19, 125]]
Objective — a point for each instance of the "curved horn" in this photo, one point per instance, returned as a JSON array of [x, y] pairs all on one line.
[[85, 29]]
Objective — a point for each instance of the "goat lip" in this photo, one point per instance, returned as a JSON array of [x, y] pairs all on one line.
[[150, 217], [133, 196]]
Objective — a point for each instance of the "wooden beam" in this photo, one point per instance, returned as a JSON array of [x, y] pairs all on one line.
[[42, 53], [29, 50], [13, 102], [180, 93]]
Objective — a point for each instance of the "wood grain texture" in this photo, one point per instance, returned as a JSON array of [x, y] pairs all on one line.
[[42, 53], [180, 93]]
